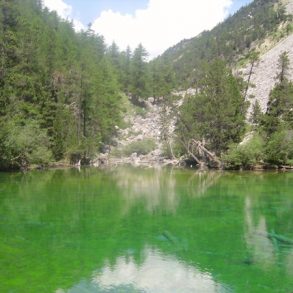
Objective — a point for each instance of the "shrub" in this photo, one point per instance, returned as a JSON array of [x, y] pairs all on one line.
[[245, 155], [279, 149], [141, 147], [177, 150], [141, 111], [23, 145]]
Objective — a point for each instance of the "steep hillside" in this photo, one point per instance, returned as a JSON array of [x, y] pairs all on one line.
[[145, 138], [263, 77], [251, 43], [231, 40]]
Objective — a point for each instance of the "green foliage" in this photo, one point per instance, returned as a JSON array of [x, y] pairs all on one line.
[[140, 76], [279, 113], [142, 147], [284, 67], [163, 78], [60, 91], [21, 145], [216, 114], [140, 111], [289, 28], [277, 123], [65, 84], [132, 72], [171, 149], [256, 115], [126, 73], [279, 147], [245, 155]]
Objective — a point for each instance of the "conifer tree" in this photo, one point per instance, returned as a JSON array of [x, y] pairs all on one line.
[[216, 115], [277, 123], [140, 83], [256, 113], [57, 87]]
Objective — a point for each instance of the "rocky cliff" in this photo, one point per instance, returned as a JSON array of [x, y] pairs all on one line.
[[263, 77]]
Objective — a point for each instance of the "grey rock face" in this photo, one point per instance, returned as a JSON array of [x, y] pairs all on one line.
[[264, 74], [263, 78]]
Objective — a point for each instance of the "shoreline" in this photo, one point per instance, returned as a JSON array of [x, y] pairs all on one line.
[[163, 163]]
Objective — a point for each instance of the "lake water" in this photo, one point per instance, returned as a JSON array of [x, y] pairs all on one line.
[[152, 231]]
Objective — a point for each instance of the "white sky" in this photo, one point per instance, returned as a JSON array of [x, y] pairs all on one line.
[[158, 273], [161, 25], [65, 11]]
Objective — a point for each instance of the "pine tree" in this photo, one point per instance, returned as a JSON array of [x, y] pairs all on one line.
[[140, 83], [277, 123], [279, 111], [126, 70], [163, 78], [256, 114], [56, 86], [216, 115], [284, 67], [253, 57]]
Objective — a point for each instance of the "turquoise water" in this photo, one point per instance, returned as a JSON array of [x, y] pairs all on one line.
[[135, 230]]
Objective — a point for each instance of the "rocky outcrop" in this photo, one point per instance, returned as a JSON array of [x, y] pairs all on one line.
[[263, 77], [141, 143], [142, 126], [264, 74], [289, 6]]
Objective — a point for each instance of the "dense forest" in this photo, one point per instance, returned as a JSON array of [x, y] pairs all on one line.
[[62, 93]]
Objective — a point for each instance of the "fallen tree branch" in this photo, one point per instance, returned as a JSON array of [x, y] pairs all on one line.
[[202, 150]]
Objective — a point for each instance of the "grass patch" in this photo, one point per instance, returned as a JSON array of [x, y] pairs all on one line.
[[140, 111]]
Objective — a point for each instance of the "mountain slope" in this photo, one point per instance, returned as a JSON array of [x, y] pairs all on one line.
[[263, 78], [231, 40]]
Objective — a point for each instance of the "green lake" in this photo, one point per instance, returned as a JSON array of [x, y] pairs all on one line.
[[146, 230]]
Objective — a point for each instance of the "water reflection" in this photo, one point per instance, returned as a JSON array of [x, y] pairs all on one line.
[[155, 187], [161, 187], [265, 250], [262, 250], [200, 182], [159, 273], [133, 230]]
